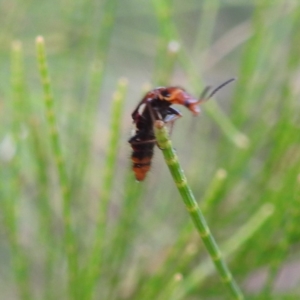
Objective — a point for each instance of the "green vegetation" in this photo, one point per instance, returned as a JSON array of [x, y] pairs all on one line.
[[75, 224], [192, 207]]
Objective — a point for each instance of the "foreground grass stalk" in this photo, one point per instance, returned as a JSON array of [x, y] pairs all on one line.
[[230, 247], [188, 198], [184, 237], [69, 242]]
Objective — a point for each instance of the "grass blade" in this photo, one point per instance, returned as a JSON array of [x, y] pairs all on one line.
[[69, 239], [94, 265], [194, 210]]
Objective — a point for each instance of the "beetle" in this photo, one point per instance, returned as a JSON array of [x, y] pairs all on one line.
[[156, 105]]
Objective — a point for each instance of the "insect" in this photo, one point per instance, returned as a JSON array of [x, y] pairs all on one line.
[[156, 105]]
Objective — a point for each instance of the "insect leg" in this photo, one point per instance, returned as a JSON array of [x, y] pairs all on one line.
[[153, 114], [172, 117], [134, 140], [141, 142]]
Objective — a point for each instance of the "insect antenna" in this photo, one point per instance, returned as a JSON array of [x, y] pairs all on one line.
[[219, 87], [203, 94]]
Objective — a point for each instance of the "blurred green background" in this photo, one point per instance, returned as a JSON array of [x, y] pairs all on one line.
[[74, 223]]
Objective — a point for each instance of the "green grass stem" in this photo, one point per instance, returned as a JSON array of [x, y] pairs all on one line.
[[95, 261], [124, 234], [171, 264], [210, 197], [17, 80], [168, 48], [87, 127], [12, 192], [57, 153], [232, 245], [188, 198], [103, 31], [205, 30], [109, 10]]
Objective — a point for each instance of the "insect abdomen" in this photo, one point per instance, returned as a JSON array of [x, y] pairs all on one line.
[[141, 159]]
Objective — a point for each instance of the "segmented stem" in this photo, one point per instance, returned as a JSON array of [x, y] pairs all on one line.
[[239, 238], [192, 207], [69, 240], [11, 201], [95, 262]]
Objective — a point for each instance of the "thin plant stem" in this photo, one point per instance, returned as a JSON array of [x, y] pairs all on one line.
[[190, 202], [206, 26], [171, 262], [103, 33], [11, 201], [69, 240], [216, 184], [94, 265], [123, 235], [230, 246], [87, 129], [168, 48]]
